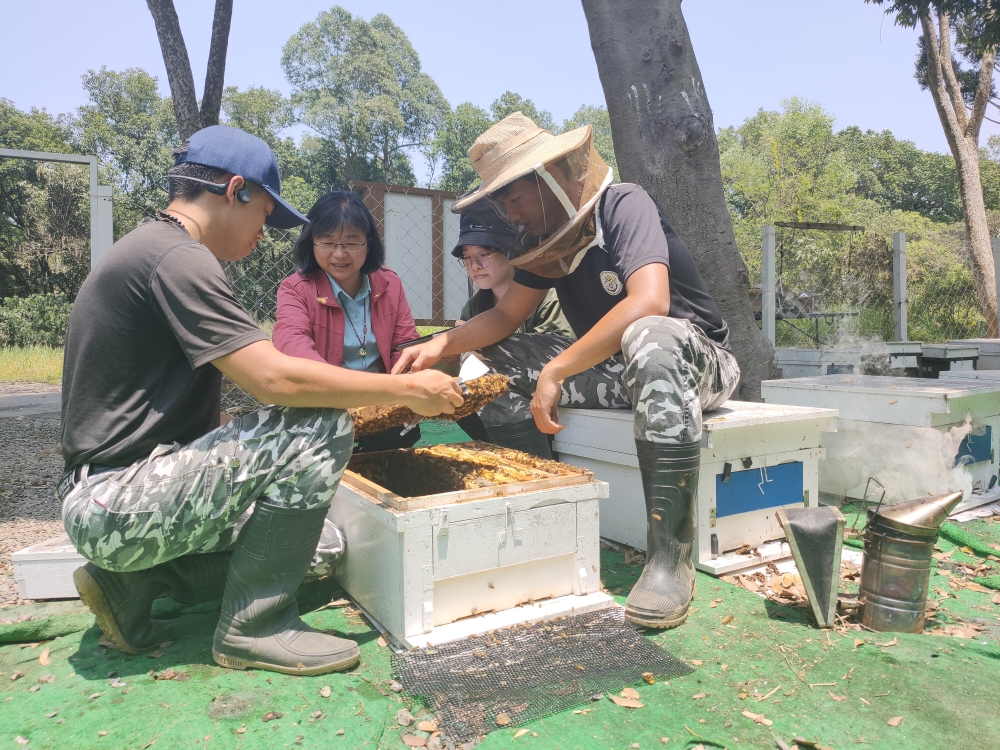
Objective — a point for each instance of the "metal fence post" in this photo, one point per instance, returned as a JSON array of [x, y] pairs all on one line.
[[899, 285], [767, 283], [105, 224]]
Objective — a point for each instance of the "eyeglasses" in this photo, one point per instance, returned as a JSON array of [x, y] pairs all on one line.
[[479, 261], [351, 247]]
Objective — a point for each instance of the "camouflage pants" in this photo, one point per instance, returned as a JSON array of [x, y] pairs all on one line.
[[667, 373], [186, 499]]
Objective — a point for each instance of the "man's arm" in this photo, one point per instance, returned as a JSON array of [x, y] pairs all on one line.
[[647, 293], [274, 378], [486, 328]]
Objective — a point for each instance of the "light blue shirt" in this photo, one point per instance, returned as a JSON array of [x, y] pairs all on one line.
[[358, 317]]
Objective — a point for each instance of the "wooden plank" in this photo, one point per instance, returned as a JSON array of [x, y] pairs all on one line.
[[484, 493], [402, 189], [528, 614]]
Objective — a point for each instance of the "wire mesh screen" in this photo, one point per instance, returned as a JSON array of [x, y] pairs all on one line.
[[944, 293], [418, 230], [835, 288], [832, 288], [520, 674]]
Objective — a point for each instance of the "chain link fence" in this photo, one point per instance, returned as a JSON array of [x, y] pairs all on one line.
[[418, 230], [834, 288]]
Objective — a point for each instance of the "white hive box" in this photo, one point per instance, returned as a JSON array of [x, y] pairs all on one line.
[[439, 567], [989, 352], [755, 458], [45, 570], [895, 430], [799, 363]]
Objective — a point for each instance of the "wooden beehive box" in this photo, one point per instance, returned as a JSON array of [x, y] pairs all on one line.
[[432, 561], [755, 458], [889, 428]]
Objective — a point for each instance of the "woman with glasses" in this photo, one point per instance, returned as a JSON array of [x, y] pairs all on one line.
[[343, 306], [479, 252]]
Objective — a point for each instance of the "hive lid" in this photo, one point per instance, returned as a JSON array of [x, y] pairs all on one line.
[[927, 513]]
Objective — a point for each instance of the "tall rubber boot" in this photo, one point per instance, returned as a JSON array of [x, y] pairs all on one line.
[[522, 436], [260, 626], [122, 602], [662, 595]]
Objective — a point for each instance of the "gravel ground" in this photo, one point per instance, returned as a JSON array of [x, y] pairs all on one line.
[[30, 467]]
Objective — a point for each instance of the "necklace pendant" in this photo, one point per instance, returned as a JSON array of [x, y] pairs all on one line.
[[362, 352]]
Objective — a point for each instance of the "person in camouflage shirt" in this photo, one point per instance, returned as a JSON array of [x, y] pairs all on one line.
[[157, 495], [651, 338]]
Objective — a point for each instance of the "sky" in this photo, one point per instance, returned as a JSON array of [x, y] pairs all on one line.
[[845, 55]]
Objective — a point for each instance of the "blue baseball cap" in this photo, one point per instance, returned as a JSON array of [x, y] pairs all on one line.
[[236, 151]]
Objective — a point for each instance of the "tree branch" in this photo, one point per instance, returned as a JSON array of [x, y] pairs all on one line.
[[940, 96], [948, 71], [178, 65], [982, 94], [215, 75]]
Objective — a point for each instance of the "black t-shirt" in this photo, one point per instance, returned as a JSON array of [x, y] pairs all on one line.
[[636, 233], [148, 322]]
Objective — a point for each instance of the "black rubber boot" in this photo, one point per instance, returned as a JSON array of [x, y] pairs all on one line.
[[122, 603], [662, 595], [521, 436], [194, 579], [260, 626]]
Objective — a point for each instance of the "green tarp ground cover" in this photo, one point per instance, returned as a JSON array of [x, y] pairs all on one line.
[[821, 685]]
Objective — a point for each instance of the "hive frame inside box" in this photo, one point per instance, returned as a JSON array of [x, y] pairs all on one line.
[[893, 407], [438, 568], [601, 440]]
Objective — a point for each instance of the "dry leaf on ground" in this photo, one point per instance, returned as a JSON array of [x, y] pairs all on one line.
[[630, 693], [47, 678], [411, 740], [520, 733], [895, 721], [977, 587], [758, 718], [835, 696], [626, 702], [699, 696], [44, 659], [272, 715], [648, 678], [502, 720], [427, 726], [697, 662], [715, 603]]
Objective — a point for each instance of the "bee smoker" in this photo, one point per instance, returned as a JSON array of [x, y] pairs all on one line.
[[896, 569]]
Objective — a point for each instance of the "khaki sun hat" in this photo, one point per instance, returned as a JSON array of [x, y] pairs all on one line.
[[512, 148]]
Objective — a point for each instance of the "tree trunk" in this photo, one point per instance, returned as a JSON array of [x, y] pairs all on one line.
[[178, 65], [961, 128], [664, 138], [215, 75]]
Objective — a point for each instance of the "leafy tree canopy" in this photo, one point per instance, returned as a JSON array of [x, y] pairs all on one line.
[[359, 85]]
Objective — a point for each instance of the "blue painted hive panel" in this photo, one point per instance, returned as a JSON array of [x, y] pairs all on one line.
[[756, 489]]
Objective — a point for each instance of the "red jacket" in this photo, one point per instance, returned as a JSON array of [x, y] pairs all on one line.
[[310, 323]]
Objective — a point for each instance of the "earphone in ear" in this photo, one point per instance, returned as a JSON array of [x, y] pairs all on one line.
[[242, 195]]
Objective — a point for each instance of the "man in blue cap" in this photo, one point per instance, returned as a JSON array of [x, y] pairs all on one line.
[[154, 486]]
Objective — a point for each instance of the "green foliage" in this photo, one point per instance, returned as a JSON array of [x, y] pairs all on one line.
[[508, 103], [792, 166], [599, 118], [451, 146], [981, 17], [132, 130], [359, 86], [35, 320]]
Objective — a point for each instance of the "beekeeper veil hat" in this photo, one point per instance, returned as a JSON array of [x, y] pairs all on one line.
[[566, 166]]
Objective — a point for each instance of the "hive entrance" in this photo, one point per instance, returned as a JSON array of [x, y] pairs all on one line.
[[416, 472]]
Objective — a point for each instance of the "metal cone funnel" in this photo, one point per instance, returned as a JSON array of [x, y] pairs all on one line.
[[923, 516], [815, 536]]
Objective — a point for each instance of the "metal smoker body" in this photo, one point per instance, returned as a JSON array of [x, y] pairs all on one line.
[[896, 569]]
